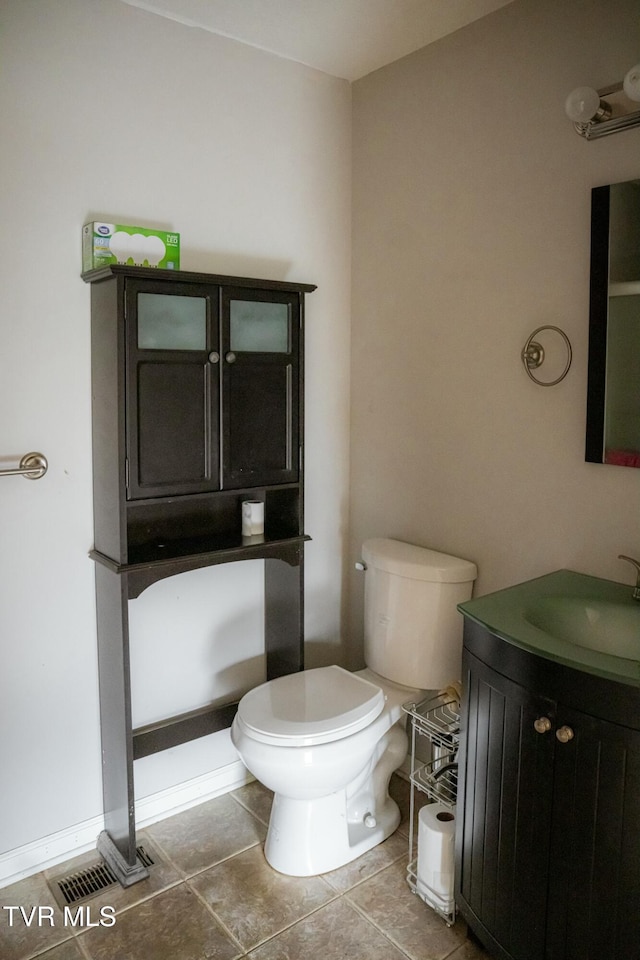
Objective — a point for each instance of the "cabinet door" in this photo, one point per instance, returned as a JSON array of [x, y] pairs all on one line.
[[172, 388], [261, 377], [504, 811], [594, 879]]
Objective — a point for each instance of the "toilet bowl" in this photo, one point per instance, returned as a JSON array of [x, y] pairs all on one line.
[[326, 741], [328, 763]]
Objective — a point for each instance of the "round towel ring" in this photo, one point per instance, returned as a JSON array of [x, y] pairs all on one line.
[[533, 356]]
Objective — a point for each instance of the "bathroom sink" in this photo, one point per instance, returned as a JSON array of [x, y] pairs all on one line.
[[601, 625], [572, 618]]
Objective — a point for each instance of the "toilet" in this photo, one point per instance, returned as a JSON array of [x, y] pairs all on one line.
[[326, 741]]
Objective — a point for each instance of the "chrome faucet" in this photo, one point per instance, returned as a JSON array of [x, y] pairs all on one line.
[[636, 564]]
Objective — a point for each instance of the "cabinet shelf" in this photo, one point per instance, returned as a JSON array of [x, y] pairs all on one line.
[[178, 527], [191, 551], [145, 572], [196, 546]]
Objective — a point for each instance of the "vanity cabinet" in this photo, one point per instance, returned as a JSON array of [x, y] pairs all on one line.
[[197, 405], [548, 843], [197, 390], [212, 374]]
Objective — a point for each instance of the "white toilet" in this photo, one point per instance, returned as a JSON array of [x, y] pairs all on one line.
[[326, 741]]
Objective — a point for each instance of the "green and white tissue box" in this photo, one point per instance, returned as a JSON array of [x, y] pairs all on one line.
[[107, 243]]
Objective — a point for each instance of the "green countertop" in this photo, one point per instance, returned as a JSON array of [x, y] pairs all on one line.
[[508, 614]]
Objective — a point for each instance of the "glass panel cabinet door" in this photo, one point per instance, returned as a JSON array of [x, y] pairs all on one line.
[[257, 326], [167, 322], [172, 389], [261, 374]]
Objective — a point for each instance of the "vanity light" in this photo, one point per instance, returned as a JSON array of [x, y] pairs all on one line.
[[584, 104], [631, 83], [597, 113]]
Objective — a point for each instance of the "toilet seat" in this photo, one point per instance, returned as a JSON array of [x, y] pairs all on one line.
[[311, 707]]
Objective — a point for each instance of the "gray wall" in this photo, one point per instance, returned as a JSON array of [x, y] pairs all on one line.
[[470, 229]]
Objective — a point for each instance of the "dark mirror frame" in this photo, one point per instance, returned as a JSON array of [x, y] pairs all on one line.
[[604, 247], [598, 316]]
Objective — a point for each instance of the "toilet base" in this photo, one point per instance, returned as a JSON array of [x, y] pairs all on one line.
[[310, 837]]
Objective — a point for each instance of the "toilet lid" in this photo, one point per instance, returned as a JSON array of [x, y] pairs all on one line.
[[314, 706]]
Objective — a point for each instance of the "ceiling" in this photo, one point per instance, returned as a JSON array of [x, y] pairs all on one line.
[[345, 38]]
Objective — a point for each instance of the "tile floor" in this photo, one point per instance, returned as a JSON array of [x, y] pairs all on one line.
[[212, 896]]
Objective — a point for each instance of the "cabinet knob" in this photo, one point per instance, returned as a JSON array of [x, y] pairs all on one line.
[[542, 725], [564, 734], [214, 357], [230, 357]]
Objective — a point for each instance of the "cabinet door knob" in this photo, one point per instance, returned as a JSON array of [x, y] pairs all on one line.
[[564, 734], [230, 357], [214, 357], [542, 725]]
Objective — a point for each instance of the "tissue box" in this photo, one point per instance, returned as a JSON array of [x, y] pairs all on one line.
[[106, 243]]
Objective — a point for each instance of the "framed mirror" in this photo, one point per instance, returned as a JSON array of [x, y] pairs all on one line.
[[613, 388]]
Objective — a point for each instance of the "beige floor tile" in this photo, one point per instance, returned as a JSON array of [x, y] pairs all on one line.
[[469, 951], [161, 875], [253, 901], [256, 798], [335, 932], [175, 925], [388, 901], [211, 894], [393, 849], [69, 950], [207, 834], [19, 941]]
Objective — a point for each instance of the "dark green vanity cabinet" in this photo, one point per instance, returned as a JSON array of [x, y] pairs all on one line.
[[197, 399], [548, 843]]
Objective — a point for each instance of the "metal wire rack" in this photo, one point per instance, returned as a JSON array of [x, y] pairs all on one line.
[[437, 718], [439, 780]]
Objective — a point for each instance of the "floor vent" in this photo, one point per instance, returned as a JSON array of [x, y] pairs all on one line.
[[145, 858], [89, 882]]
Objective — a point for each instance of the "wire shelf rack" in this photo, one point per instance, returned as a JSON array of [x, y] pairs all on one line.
[[437, 718], [439, 780], [443, 907]]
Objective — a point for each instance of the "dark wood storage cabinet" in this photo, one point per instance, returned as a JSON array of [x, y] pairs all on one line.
[[548, 844], [197, 399]]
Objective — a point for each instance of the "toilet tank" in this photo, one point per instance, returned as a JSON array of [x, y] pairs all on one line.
[[413, 631]]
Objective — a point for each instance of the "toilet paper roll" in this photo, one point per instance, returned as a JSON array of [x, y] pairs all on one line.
[[252, 518], [436, 829]]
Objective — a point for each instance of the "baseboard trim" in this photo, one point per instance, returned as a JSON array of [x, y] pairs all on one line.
[[48, 851], [166, 803]]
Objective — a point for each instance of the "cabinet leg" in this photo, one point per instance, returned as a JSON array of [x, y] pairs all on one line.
[[284, 615], [122, 870], [117, 844]]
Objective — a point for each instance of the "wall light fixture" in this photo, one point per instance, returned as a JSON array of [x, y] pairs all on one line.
[[597, 113]]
